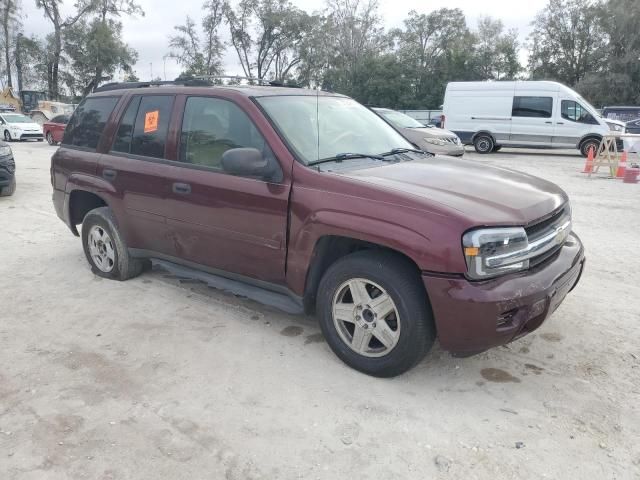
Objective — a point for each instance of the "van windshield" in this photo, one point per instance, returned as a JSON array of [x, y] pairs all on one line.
[[323, 127]]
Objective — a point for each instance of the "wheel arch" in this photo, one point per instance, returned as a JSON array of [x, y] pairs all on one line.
[[327, 250], [589, 136], [81, 202], [483, 132]]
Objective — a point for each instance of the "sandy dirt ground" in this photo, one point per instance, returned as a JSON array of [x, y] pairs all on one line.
[[163, 378]]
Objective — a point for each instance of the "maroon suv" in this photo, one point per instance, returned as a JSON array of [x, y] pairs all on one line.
[[309, 199]]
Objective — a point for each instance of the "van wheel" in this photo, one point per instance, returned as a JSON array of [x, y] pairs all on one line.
[[589, 144], [483, 143], [374, 313], [105, 249]]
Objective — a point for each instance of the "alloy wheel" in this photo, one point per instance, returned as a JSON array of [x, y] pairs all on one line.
[[101, 249], [366, 318]]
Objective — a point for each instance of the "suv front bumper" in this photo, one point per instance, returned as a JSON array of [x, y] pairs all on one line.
[[474, 316]]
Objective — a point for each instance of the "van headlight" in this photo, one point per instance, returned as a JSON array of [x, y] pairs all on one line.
[[490, 252], [615, 127]]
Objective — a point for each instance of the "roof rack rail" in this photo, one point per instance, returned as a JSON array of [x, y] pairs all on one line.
[[194, 81]]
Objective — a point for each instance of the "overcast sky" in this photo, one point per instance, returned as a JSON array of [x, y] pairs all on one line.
[[148, 34]]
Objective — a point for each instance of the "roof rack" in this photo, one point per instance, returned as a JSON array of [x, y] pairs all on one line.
[[195, 81]]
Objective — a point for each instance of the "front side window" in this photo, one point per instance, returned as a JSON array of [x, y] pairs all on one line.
[[88, 122], [211, 126], [540, 107], [575, 112], [143, 128], [321, 127]]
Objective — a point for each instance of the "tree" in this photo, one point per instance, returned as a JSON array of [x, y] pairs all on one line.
[[8, 17], [267, 35], [95, 51], [31, 63], [496, 51], [567, 41], [60, 26], [196, 56]]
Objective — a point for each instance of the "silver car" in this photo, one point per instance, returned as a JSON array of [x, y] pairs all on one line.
[[427, 138]]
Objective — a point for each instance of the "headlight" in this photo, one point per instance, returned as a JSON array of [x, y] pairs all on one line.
[[5, 151], [490, 252], [615, 127], [435, 141]]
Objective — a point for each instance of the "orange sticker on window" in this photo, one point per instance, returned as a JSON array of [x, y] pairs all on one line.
[[151, 121]]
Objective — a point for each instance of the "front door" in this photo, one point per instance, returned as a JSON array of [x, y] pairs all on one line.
[[230, 223], [573, 122], [532, 121]]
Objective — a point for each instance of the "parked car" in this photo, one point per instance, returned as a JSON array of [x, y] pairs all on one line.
[[310, 198], [623, 114], [54, 129], [430, 139], [15, 126], [7, 170], [536, 114], [633, 126]]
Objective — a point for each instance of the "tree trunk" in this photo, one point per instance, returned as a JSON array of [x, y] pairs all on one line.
[[18, 56], [7, 46], [53, 85]]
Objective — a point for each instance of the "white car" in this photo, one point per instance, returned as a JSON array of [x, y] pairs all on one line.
[[15, 126]]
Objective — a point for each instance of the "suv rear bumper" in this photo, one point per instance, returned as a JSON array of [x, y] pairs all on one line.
[[474, 316]]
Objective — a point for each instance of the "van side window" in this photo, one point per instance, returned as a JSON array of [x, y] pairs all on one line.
[[88, 121], [532, 107], [575, 112], [150, 127], [122, 142], [212, 126]]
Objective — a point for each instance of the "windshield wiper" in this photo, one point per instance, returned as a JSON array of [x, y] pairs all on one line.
[[401, 150], [347, 156]]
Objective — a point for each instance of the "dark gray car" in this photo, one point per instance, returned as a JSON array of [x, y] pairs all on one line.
[[7, 170]]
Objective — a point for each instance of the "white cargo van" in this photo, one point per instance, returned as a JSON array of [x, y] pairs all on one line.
[[489, 115]]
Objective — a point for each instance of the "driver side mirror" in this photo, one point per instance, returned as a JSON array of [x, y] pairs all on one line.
[[249, 162]]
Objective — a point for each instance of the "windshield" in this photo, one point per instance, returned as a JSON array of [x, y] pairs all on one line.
[[400, 119], [321, 127], [17, 119]]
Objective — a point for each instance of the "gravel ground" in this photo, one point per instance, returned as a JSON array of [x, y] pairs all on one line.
[[162, 378]]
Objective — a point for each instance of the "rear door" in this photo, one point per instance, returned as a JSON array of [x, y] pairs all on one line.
[[231, 223], [532, 119], [135, 166]]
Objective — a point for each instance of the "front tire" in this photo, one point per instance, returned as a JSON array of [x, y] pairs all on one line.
[[483, 143], [7, 136], [50, 139], [105, 249], [10, 190], [374, 313], [589, 144]]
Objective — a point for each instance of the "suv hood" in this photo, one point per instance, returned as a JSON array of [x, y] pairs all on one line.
[[481, 194]]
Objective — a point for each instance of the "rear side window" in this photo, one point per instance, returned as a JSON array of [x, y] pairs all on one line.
[[212, 126], [532, 107], [88, 121], [143, 127]]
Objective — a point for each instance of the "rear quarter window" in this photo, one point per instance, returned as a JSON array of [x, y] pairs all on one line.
[[88, 121]]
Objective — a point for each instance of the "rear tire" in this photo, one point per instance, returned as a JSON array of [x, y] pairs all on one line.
[[391, 317], [593, 143], [105, 249], [50, 139], [483, 143], [10, 190]]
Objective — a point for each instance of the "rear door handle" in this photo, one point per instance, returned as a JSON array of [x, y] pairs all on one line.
[[559, 123], [109, 174], [181, 188]]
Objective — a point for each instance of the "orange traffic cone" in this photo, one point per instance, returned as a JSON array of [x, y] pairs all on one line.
[[622, 165], [588, 166]]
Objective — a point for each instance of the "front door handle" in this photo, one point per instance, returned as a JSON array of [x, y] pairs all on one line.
[[559, 123], [181, 188], [109, 174], [548, 122]]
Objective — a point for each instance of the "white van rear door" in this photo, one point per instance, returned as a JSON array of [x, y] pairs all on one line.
[[532, 118]]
